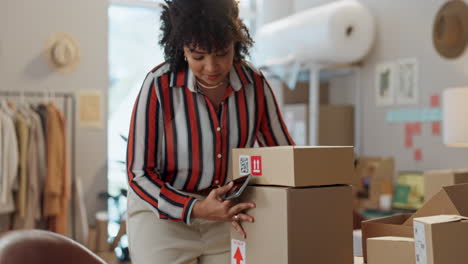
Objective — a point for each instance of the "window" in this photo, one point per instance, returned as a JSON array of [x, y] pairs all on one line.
[[133, 52]]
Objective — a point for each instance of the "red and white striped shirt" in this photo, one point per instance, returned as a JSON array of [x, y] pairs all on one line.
[[178, 143]]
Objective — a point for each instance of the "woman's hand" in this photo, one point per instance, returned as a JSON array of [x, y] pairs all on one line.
[[214, 208]]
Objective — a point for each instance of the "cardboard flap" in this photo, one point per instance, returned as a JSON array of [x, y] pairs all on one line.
[[393, 238], [442, 203], [437, 219], [394, 219], [458, 194]]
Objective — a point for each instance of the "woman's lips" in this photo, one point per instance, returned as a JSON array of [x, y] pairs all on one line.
[[212, 77]]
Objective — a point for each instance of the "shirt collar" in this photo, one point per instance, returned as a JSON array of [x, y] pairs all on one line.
[[238, 76]]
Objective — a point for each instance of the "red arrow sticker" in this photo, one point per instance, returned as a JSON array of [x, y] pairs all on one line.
[[237, 252], [238, 256]]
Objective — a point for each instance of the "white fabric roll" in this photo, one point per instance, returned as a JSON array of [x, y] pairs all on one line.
[[337, 33]]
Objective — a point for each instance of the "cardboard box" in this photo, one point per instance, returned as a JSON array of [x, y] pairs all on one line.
[[385, 226], [295, 166], [441, 239], [335, 126], [296, 225], [390, 250], [374, 178], [300, 94], [450, 200], [102, 235], [435, 180], [92, 239]]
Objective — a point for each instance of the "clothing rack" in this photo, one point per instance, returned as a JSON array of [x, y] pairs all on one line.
[[69, 108]]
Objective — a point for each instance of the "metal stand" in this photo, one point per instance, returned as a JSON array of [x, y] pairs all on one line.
[[315, 71]]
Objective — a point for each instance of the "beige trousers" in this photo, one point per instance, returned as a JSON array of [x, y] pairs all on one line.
[[155, 241]]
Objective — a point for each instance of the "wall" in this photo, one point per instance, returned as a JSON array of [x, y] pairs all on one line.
[[270, 10], [404, 30], [24, 29]]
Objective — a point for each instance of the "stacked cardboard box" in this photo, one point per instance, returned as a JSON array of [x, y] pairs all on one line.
[[435, 180], [391, 250], [335, 122], [438, 239], [441, 239], [300, 93], [304, 207], [450, 200]]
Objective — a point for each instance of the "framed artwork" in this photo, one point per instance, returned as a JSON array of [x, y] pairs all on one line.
[[90, 109], [385, 84], [407, 91]]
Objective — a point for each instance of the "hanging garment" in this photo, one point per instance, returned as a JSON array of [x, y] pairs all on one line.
[[41, 111], [9, 162], [22, 133], [57, 187], [41, 159], [33, 202], [3, 180]]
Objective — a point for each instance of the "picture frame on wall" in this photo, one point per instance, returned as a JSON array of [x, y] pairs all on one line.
[[407, 91], [385, 84]]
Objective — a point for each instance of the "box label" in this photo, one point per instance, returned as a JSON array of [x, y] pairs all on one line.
[[420, 243], [244, 165], [237, 252], [256, 162], [250, 165]]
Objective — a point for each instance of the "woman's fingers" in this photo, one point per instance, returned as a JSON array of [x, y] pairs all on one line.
[[238, 208], [239, 229], [243, 218]]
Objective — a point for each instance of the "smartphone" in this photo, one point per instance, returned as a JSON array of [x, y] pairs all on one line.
[[238, 187]]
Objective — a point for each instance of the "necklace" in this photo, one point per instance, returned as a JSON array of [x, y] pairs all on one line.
[[209, 86]]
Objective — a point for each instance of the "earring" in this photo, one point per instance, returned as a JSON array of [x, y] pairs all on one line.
[[185, 58]]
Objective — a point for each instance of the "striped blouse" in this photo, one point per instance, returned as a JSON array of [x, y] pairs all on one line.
[[179, 143]]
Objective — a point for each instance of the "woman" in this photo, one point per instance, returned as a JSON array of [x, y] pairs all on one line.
[[191, 111]]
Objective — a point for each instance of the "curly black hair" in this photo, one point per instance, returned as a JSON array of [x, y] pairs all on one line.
[[210, 25]]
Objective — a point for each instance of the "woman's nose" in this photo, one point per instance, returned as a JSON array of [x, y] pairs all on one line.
[[211, 66]]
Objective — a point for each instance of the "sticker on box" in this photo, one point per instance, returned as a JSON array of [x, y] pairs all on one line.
[[238, 252], [420, 243], [244, 165], [256, 162]]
